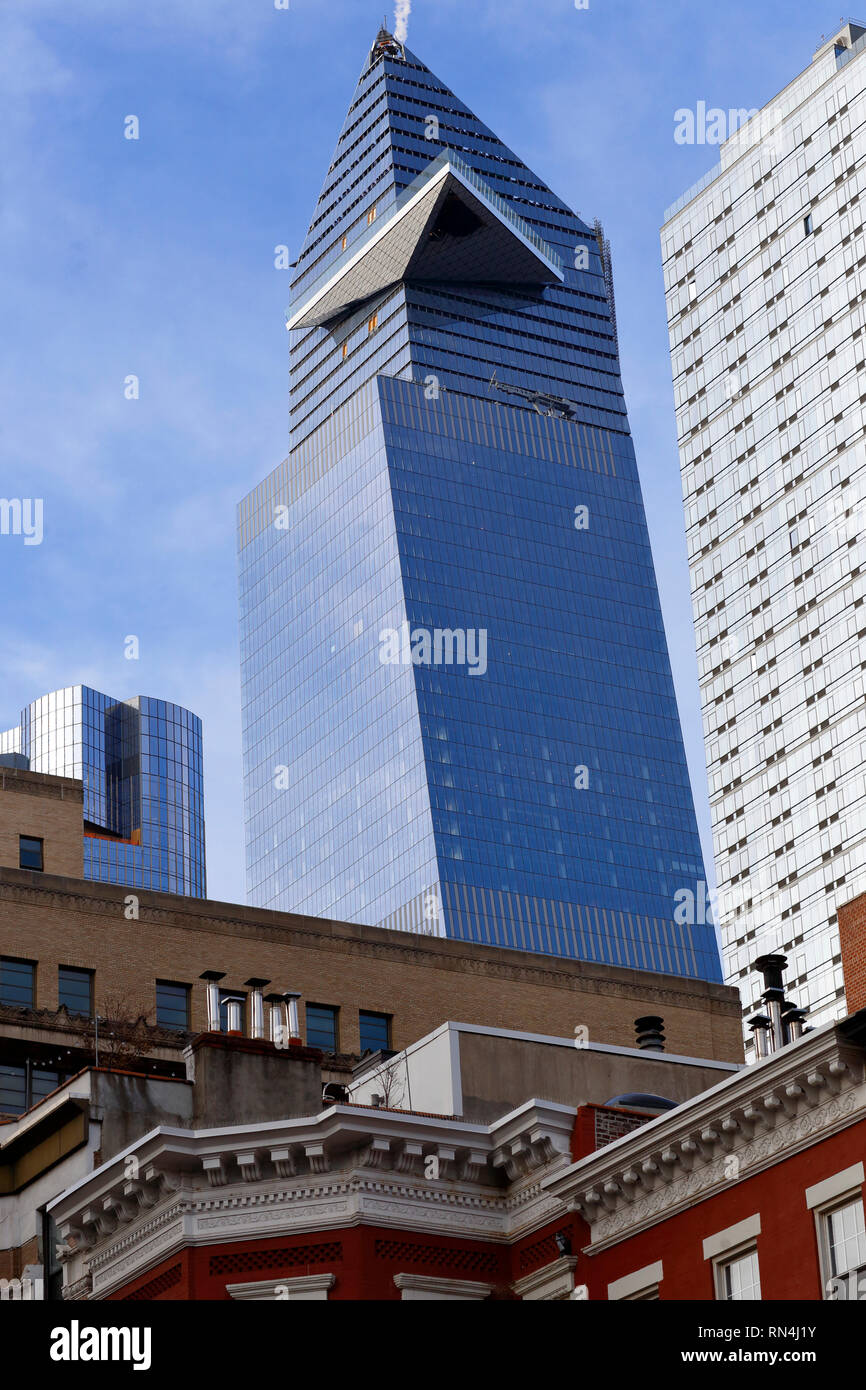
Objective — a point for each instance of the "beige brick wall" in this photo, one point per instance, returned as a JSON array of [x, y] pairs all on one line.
[[420, 981], [48, 808]]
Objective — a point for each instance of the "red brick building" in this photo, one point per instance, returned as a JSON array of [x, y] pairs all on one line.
[[752, 1190], [852, 941], [354, 1200]]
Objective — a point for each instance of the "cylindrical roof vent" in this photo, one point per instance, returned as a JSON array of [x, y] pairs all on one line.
[[650, 1035]]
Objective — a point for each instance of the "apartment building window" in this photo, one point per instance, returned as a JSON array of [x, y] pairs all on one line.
[[30, 854], [322, 1027], [734, 1256], [75, 990], [371, 216], [172, 1004], [837, 1205], [738, 1277], [807, 224], [375, 1031], [845, 1241], [17, 982], [373, 324]]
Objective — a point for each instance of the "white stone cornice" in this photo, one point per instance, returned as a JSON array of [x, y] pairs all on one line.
[[146, 1194], [317, 1205], [249, 1166], [284, 1162], [473, 1166], [343, 1167], [377, 1154], [78, 1289], [410, 1157], [168, 1157], [803, 1093], [316, 1157], [215, 1171]]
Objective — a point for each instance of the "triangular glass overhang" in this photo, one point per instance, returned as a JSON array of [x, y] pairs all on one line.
[[448, 225]]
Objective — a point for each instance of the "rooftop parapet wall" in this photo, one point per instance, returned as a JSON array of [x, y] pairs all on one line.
[[420, 981]]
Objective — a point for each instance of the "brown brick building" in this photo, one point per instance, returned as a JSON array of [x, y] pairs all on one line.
[[85, 945], [49, 810], [417, 981]]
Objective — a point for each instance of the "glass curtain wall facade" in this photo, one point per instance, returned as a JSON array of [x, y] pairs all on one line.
[[140, 761], [766, 288], [458, 709]]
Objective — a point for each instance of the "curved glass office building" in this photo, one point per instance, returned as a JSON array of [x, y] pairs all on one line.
[[140, 761], [459, 716]]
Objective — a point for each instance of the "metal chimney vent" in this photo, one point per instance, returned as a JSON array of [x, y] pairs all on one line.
[[782, 1022], [650, 1037]]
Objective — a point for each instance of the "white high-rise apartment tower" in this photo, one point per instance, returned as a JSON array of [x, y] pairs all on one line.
[[765, 276]]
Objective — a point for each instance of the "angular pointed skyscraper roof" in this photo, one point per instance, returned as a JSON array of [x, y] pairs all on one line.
[[407, 137], [421, 195]]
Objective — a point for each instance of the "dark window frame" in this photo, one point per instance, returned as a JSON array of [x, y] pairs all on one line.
[[187, 994], [17, 1003], [334, 1011], [31, 840], [38, 1082], [82, 972], [387, 1019]]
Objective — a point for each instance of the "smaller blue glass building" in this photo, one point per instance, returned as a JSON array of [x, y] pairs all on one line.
[[140, 762]]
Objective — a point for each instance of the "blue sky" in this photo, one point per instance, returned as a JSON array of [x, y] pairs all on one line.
[[155, 257]]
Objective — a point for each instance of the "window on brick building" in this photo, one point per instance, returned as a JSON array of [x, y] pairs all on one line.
[[30, 854], [639, 1286], [322, 1028], [17, 982], [75, 990], [24, 1084], [172, 1004], [738, 1277], [375, 1031], [13, 1090], [844, 1250], [836, 1203]]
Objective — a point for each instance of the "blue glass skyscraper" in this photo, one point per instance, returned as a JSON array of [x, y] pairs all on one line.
[[140, 761], [458, 708]]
